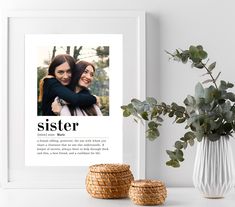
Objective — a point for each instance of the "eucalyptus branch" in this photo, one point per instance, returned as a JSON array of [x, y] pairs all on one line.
[[177, 155], [209, 72], [209, 114]]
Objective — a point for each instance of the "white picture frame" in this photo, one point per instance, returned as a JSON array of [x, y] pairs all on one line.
[[16, 24]]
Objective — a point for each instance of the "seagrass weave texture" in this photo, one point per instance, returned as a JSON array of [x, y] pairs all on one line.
[[147, 192], [109, 180]]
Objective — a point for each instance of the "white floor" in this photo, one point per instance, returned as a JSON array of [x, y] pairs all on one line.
[[185, 197]]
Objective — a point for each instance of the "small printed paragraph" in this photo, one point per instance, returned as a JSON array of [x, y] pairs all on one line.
[[72, 146]]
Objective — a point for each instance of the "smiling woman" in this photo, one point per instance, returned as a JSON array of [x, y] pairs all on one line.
[[81, 80], [86, 77]]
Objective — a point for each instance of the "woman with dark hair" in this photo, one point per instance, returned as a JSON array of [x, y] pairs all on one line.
[[81, 80], [57, 84]]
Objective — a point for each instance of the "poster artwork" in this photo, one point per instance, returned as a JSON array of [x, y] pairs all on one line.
[[73, 94]]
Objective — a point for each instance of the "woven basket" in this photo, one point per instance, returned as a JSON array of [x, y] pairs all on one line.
[[109, 180], [147, 192]]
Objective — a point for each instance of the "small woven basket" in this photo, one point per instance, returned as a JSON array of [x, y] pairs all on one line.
[[147, 192], [109, 180]]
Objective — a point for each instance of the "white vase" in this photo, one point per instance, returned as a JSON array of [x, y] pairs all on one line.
[[214, 173]]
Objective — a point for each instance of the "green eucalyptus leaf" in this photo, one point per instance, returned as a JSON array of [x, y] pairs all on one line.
[[199, 65], [190, 101], [159, 119], [138, 105], [191, 142], [223, 85], [181, 120], [181, 109], [178, 114], [146, 106], [227, 127], [201, 103], [171, 154], [214, 123], [230, 96], [212, 66], [199, 138], [171, 114], [209, 95], [191, 120], [144, 115], [185, 144], [190, 110], [152, 134], [183, 139], [193, 49], [230, 85], [152, 101], [178, 144], [194, 54], [199, 91], [221, 101], [184, 56], [136, 102], [152, 124], [202, 54], [217, 94], [130, 107], [123, 107], [154, 113], [189, 135], [163, 104], [226, 107], [173, 163], [200, 47], [179, 154], [181, 159], [126, 113]]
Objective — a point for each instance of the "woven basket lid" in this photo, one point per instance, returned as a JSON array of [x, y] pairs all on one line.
[[147, 183], [106, 168]]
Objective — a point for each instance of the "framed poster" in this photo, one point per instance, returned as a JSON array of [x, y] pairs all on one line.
[[64, 59]]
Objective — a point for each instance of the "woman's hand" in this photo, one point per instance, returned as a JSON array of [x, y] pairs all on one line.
[[49, 76], [98, 102], [56, 106]]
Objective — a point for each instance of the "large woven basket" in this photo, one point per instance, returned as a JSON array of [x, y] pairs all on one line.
[[147, 192], [109, 180]]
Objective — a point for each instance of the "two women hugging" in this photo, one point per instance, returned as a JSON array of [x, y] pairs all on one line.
[[64, 91]]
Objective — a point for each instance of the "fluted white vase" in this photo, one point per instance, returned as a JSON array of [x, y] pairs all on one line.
[[214, 173]]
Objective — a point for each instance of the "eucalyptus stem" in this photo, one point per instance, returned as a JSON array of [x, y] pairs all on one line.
[[209, 72]]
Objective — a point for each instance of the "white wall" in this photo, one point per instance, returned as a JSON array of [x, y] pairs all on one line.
[[170, 24]]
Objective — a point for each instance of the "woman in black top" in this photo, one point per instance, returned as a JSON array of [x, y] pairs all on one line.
[[57, 84]]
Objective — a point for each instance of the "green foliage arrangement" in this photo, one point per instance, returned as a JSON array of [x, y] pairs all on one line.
[[209, 114]]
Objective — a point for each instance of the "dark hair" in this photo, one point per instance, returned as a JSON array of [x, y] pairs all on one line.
[[57, 60], [60, 59], [80, 67]]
